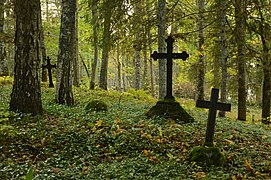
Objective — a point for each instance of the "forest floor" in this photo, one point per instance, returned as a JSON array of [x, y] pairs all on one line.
[[70, 143]]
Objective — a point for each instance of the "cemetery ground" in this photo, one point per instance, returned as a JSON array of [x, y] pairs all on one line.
[[70, 143]]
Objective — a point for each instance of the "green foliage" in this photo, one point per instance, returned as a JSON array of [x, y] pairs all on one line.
[[29, 175], [207, 156], [67, 143], [96, 105]]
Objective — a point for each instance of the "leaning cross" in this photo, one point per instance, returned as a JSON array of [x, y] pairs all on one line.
[[169, 56], [213, 106], [49, 66]]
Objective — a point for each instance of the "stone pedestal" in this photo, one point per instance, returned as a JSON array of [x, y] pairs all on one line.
[[170, 110]]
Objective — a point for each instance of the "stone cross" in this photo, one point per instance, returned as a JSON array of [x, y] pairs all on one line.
[[213, 106], [169, 56], [49, 66]]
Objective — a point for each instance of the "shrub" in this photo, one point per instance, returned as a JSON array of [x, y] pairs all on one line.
[[96, 105]]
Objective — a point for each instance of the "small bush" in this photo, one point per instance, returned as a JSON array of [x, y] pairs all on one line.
[[96, 105]]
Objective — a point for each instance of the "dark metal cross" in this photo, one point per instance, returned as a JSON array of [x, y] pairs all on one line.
[[49, 66], [213, 106], [169, 56]]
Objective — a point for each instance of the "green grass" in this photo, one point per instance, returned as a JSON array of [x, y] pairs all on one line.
[[68, 143]]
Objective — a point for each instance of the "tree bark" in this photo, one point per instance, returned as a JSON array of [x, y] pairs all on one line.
[[3, 59], [201, 64], [240, 36], [264, 33], [137, 43], [64, 94], [124, 81], [162, 47], [223, 38], [76, 64], [106, 44], [44, 73], [26, 93], [95, 43]]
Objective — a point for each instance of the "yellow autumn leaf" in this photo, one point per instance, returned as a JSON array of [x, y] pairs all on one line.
[[145, 152], [249, 168], [170, 156], [117, 121], [99, 123]]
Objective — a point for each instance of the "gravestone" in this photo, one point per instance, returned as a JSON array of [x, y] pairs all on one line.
[[49, 66], [169, 108], [208, 155], [213, 106]]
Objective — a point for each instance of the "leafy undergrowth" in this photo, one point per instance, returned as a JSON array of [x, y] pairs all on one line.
[[69, 143]]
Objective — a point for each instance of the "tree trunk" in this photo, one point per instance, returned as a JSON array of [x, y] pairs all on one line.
[[3, 59], [223, 38], [119, 69], [106, 44], [149, 40], [201, 64], [240, 36], [76, 64], [137, 44], [44, 73], [66, 53], [162, 47], [266, 91], [95, 43], [26, 93], [123, 70]]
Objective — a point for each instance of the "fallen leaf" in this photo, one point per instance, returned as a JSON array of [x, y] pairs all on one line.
[[145, 152], [249, 168], [99, 123]]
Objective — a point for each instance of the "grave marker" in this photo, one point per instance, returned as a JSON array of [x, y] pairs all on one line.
[[169, 56], [213, 106], [49, 66]]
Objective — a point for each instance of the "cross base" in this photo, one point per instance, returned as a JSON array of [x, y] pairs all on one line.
[[170, 109]]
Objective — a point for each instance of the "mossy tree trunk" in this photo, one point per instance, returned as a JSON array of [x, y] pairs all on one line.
[[26, 93]]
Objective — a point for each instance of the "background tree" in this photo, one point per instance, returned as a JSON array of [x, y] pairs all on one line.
[[201, 63], [66, 55], [240, 36], [3, 59], [94, 22], [161, 16], [26, 93]]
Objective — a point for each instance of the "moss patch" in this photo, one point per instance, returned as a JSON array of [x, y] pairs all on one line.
[[96, 105], [207, 156], [170, 110]]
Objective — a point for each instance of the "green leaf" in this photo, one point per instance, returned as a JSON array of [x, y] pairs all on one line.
[[29, 175]]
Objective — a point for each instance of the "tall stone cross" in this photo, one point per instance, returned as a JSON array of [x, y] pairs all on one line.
[[169, 56], [213, 106], [49, 66]]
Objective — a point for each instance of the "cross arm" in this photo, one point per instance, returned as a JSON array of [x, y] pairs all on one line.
[[218, 106], [182, 55], [157, 55]]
